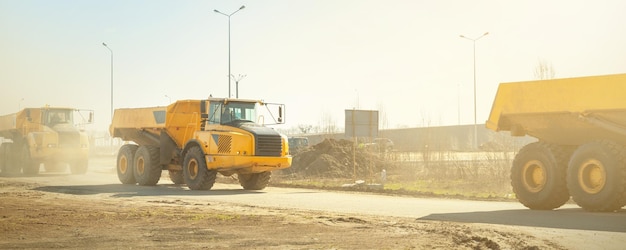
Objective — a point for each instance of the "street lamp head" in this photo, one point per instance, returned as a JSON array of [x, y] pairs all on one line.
[[486, 33], [216, 11], [104, 44], [242, 6], [462, 36]]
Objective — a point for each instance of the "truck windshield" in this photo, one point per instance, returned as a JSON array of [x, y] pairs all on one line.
[[233, 111], [58, 116]]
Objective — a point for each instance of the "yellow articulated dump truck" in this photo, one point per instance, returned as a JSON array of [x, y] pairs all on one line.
[[580, 124], [47, 135], [196, 139]]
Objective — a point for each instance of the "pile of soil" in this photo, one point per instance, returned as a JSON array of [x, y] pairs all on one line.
[[336, 159]]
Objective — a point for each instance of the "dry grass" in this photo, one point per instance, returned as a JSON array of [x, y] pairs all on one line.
[[483, 175]]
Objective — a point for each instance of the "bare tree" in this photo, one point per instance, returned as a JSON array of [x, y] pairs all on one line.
[[305, 129], [544, 70], [327, 124]]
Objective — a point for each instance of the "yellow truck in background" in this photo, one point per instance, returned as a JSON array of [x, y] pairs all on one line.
[[196, 139], [48, 135], [581, 151]]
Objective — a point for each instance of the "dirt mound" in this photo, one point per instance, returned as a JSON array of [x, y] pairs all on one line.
[[336, 158]]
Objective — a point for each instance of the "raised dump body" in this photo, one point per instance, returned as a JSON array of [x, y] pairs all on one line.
[[581, 127], [196, 139], [47, 135]]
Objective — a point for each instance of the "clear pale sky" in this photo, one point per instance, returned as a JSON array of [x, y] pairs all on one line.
[[319, 57]]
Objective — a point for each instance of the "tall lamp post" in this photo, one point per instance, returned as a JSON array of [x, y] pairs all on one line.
[[111, 140], [227, 15], [237, 80], [105, 45], [475, 123]]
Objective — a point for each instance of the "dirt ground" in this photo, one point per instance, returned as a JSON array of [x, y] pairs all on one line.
[[33, 218]]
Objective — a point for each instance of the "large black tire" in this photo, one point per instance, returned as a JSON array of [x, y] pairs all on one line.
[[538, 176], [177, 176], [10, 163], [79, 166], [124, 166], [29, 166], [195, 171], [256, 181], [596, 176], [3, 158], [146, 166]]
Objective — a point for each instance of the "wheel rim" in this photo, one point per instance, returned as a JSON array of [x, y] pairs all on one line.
[[534, 176], [192, 168], [592, 176], [140, 165], [123, 164]]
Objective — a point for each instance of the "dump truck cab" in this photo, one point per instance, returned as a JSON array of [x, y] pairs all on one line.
[[196, 139]]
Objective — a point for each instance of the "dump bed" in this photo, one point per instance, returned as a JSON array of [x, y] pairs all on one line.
[[20, 123], [7, 123], [145, 125], [568, 111], [141, 125]]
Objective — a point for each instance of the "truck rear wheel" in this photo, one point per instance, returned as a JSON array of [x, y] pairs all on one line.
[[256, 181], [195, 171], [596, 176], [146, 167], [3, 158], [124, 167], [9, 162], [538, 176], [177, 176], [29, 166]]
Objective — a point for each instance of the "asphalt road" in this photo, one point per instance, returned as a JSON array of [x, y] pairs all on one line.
[[569, 225]]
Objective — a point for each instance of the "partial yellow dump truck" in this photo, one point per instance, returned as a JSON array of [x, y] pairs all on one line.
[[581, 152], [196, 139], [48, 135]]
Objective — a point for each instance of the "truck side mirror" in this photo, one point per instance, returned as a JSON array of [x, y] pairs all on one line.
[[90, 117], [280, 113]]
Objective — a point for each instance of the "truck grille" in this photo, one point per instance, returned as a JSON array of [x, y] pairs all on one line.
[[224, 143], [268, 145]]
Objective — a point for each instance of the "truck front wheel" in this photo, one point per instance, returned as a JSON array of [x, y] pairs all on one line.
[[195, 171], [538, 176], [256, 181], [125, 162], [29, 166], [147, 169], [596, 176]]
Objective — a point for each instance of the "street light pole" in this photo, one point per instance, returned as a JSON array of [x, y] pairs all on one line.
[[227, 15], [237, 80], [105, 45], [475, 122]]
